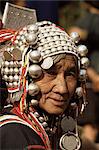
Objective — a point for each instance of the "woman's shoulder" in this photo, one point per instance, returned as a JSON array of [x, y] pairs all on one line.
[[16, 133]]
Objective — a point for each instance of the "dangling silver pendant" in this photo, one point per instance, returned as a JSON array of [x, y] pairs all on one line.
[[68, 124], [70, 141]]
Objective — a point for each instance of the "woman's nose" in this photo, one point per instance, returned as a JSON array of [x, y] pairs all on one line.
[[61, 84]]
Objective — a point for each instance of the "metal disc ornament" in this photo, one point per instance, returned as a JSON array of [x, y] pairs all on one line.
[[70, 141], [47, 63], [7, 56], [68, 124]]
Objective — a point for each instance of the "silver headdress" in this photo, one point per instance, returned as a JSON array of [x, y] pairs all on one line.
[[37, 43]]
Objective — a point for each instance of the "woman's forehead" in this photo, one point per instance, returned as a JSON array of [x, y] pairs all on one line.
[[71, 59]]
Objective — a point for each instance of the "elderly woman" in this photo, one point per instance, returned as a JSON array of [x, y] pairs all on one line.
[[45, 73]]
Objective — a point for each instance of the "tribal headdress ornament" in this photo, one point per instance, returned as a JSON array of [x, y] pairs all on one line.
[[32, 49]]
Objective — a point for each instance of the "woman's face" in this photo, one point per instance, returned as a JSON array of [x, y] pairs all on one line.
[[58, 85]]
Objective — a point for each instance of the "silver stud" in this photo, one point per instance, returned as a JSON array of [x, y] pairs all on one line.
[[16, 78], [41, 119], [6, 64], [53, 49], [36, 114], [10, 78], [82, 74], [34, 102], [56, 37], [75, 37], [33, 89], [6, 70], [31, 38], [15, 84], [47, 52], [32, 28], [10, 84], [16, 70], [11, 71], [35, 56], [5, 77], [57, 42], [44, 124], [63, 42], [82, 50], [59, 48], [11, 64], [35, 71], [85, 62], [79, 91]]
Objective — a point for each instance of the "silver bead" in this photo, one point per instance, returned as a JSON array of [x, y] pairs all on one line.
[[49, 38], [43, 40], [10, 78], [10, 84], [11, 71], [85, 62], [44, 124], [6, 64], [57, 42], [53, 49], [34, 102], [16, 70], [41, 119], [11, 63], [56, 37], [6, 71], [16, 78], [47, 52], [59, 48], [36, 114], [15, 84], [82, 74], [63, 42], [35, 71], [82, 50], [75, 37], [5, 77], [35, 56], [33, 89], [31, 38], [32, 28], [40, 48], [79, 92]]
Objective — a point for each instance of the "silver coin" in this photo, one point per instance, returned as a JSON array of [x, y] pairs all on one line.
[[47, 63]]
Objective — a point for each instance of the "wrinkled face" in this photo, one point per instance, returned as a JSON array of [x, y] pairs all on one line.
[[58, 85]]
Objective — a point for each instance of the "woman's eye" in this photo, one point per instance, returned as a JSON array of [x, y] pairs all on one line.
[[71, 73]]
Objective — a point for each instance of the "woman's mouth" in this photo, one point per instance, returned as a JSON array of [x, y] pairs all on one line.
[[57, 102]]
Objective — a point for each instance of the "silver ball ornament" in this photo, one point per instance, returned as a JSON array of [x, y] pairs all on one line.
[[33, 89], [75, 37], [82, 50], [84, 62], [35, 71], [79, 91], [31, 38], [34, 102], [35, 56]]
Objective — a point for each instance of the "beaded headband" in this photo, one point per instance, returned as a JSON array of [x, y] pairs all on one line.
[[31, 45]]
